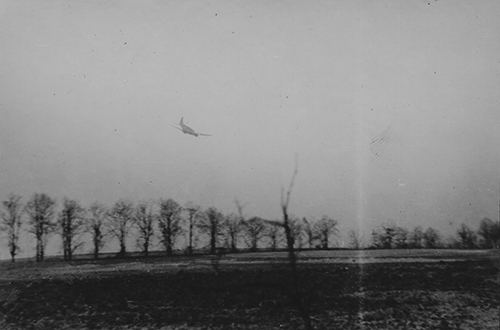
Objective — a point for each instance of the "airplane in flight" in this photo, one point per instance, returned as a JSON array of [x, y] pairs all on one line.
[[188, 130]]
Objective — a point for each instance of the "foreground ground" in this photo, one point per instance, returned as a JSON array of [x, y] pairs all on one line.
[[339, 289]]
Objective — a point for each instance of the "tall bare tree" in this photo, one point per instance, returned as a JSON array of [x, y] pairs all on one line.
[[40, 209], [144, 220], [309, 232], [70, 223], [212, 224], [285, 201], [297, 231], [192, 210], [233, 225], [120, 217], [288, 225], [96, 224], [11, 223], [254, 230], [169, 221]]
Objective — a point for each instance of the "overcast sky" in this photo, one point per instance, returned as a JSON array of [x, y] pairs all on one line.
[[88, 90]]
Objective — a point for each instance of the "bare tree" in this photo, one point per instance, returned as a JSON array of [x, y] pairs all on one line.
[[467, 237], [490, 232], [144, 220], [325, 228], [254, 231], [169, 221], [273, 233], [297, 230], [120, 217], [416, 239], [40, 209], [401, 238], [431, 238], [192, 210], [383, 236], [233, 225], [11, 223], [239, 208], [96, 226], [309, 232], [285, 202], [355, 240], [290, 235], [212, 224], [70, 222], [390, 236]]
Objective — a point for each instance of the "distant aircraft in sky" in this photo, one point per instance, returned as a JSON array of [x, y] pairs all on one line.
[[188, 130]]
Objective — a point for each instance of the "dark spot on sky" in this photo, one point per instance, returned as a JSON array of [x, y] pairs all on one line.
[[125, 43], [53, 94], [216, 14]]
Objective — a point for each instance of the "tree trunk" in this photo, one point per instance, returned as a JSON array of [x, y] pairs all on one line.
[[96, 244], [70, 247], [122, 246], [233, 244], [213, 238], [146, 247], [190, 247]]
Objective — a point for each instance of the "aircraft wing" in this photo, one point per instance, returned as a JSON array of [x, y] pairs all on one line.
[[180, 129], [203, 134]]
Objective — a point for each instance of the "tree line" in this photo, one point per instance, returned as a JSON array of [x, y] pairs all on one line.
[[168, 221], [390, 236], [165, 220]]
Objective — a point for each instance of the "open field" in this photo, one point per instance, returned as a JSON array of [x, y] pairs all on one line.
[[372, 289]]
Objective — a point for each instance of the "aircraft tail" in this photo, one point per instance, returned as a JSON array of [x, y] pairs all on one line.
[[182, 121]]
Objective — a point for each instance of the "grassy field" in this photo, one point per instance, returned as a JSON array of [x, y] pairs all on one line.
[[393, 289]]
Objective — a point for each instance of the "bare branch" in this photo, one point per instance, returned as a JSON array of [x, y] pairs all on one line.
[[284, 203], [239, 207]]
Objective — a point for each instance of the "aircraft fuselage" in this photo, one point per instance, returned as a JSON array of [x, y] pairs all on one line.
[[188, 130]]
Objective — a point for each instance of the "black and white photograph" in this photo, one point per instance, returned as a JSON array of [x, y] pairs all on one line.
[[241, 164]]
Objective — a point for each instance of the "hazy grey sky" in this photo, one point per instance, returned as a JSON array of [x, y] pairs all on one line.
[[88, 90]]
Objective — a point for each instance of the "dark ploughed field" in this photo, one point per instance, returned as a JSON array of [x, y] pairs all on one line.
[[396, 289]]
